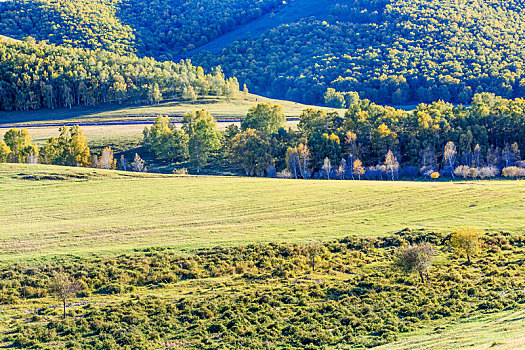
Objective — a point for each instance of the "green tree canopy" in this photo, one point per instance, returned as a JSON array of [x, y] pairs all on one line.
[[204, 137], [265, 117]]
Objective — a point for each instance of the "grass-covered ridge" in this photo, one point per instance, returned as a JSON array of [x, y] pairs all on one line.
[[109, 212], [266, 296]]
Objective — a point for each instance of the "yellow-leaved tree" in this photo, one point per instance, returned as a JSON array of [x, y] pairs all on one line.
[[465, 241]]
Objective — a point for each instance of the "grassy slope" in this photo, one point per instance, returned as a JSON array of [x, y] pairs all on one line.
[[102, 212], [131, 134], [3, 37], [502, 330], [219, 108], [289, 13]]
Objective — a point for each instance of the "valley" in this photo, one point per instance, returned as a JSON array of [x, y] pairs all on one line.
[[262, 174]]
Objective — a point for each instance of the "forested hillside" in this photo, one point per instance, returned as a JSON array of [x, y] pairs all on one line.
[[388, 51], [391, 52], [161, 28], [34, 75]]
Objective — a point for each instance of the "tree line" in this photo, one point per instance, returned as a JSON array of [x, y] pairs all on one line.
[[371, 141], [70, 148], [36, 75]]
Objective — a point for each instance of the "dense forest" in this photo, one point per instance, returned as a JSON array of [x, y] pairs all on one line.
[[162, 29], [371, 140], [35, 75], [391, 52]]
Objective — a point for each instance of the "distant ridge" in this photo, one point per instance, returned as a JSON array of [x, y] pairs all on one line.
[[6, 38]]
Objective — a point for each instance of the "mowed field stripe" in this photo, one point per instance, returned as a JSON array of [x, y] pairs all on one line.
[[113, 211]]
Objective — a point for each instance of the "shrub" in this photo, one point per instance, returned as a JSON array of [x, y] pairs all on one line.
[[180, 171], [513, 171], [415, 257], [465, 172], [285, 174], [488, 172]]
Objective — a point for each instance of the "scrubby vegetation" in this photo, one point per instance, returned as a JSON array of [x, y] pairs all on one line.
[[264, 296], [393, 52]]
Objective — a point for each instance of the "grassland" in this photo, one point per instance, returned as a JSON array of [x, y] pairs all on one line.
[[143, 245], [121, 126], [86, 211], [500, 330], [220, 108]]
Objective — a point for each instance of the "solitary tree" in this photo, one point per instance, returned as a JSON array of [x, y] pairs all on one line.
[[19, 142], [138, 164], [72, 147], [63, 287], [250, 150], [5, 151], [292, 160], [106, 159], [166, 141], [327, 167], [476, 156], [450, 156], [465, 241], [154, 94], [265, 117], [313, 250], [341, 171], [358, 168], [203, 135], [123, 163], [189, 93], [391, 163], [304, 160], [415, 258]]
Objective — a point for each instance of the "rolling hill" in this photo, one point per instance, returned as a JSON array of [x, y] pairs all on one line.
[[106, 259], [204, 211], [188, 262], [393, 52], [161, 28]]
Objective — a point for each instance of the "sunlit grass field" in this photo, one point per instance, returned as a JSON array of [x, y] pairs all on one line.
[[501, 330], [45, 123], [87, 211], [220, 108]]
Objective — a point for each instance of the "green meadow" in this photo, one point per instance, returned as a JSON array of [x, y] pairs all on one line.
[[48, 210], [220, 108], [225, 261]]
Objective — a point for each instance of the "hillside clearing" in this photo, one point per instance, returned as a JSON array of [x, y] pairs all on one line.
[[289, 13], [85, 211], [220, 108]]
